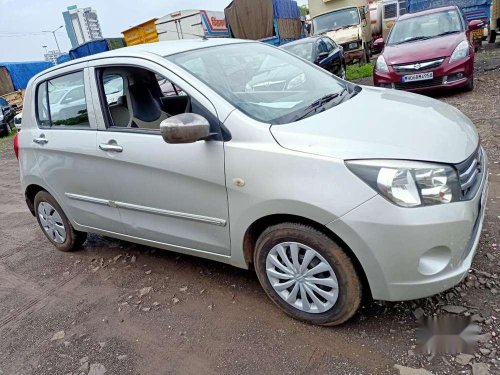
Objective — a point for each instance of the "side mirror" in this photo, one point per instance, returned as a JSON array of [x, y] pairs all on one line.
[[185, 128], [379, 44], [476, 25]]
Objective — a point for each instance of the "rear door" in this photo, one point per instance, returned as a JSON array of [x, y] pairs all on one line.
[[64, 143]]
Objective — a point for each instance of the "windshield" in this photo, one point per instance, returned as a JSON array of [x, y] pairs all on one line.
[[425, 27], [264, 82], [304, 50], [335, 20]]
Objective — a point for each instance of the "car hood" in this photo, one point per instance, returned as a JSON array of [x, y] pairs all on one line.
[[387, 124], [422, 50], [342, 36]]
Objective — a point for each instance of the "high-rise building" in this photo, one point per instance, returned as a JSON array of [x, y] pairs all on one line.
[[82, 25], [52, 56]]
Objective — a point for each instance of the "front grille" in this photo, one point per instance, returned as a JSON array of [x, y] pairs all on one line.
[[417, 66], [470, 174], [419, 84]]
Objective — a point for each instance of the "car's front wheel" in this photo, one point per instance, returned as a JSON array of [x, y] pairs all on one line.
[[55, 225], [307, 274]]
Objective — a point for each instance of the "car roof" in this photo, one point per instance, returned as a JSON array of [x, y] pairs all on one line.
[[305, 40], [428, 11], [165, 48]]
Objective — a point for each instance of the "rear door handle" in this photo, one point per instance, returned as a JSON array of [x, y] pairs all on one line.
[[41, 140], [110, 147]]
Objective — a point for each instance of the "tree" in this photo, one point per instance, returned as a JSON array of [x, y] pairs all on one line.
[[304, 10]]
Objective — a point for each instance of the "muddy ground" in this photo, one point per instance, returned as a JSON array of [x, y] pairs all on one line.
[[119, 308]]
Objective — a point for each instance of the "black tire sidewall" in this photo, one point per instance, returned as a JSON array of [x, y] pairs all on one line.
[[331, 252], [69, 242]]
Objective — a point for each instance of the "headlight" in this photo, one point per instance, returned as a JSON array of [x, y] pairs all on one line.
[[407, 183], [296, 81], [381, 65], [461, 52]]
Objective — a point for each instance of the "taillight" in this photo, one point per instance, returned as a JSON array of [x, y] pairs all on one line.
[[16, 145]]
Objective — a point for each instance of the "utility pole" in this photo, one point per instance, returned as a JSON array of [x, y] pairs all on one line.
[[54, 33]]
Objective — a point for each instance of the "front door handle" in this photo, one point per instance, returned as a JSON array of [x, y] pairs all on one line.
[[41, 140], [110, 147]]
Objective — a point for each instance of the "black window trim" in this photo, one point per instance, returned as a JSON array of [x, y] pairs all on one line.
[[58, 127]]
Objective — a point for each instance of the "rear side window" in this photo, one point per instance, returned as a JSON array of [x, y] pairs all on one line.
[[61, 102]]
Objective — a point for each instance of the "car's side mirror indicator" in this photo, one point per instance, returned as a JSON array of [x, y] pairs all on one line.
[[185, 128]]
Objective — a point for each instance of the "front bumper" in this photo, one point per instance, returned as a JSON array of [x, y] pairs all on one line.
[[446, 76], [410, 253], [351, 56]]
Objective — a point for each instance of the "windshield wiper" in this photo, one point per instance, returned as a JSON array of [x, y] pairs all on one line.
[[415, 39], [447, 33], [320, 103]]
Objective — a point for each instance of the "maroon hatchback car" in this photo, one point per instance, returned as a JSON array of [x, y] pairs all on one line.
[[428, 50]]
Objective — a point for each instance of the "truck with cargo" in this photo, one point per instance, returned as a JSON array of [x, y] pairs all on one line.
[[275, 22], [143, 33], [192, 24], [347, 22], [472, 10]]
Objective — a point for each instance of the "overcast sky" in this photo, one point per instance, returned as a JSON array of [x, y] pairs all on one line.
[[22, 21]]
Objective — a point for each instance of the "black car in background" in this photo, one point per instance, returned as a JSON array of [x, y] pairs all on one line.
[[320, 50], [6, 116]]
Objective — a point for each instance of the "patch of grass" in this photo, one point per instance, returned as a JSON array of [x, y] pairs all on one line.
[[359, 71]]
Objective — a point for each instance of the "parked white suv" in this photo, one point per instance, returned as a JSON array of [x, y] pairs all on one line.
[[293, 178]]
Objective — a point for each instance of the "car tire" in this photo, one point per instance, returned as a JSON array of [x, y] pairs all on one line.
[[343, 71], [492, 37], [4, 130], [470, 84], [340, 288], [55, 224]]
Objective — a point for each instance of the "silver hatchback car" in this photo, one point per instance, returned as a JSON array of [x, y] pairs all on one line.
[[242, 153]]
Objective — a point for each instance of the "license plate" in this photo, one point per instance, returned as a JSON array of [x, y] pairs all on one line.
[[477, 34], [417, 77]]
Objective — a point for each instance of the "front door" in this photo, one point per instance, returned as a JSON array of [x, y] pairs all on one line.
[[171, 194]]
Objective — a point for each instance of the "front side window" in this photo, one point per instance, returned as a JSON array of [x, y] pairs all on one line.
[[425, 27], [61, 102], [271, 86], [138, 99], [335, 20]]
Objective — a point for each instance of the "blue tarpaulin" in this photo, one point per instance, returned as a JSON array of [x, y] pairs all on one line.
[[63, 58], [21, 72], [96, 46], [286, 9], [473, 9], [89, 48]]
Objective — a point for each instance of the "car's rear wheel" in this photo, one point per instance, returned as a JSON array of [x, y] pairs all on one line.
[[55, 224], [307, 274]]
